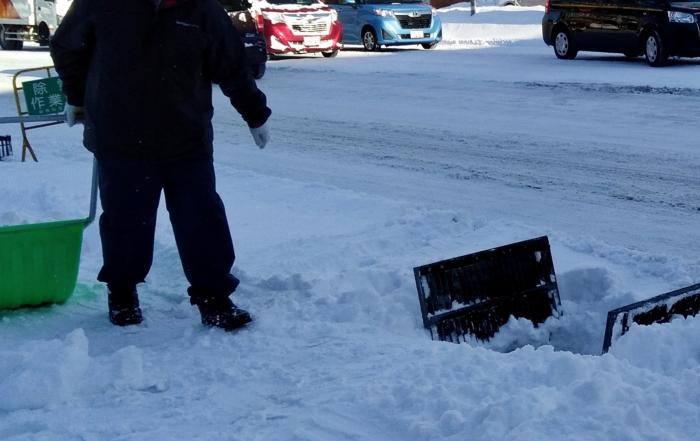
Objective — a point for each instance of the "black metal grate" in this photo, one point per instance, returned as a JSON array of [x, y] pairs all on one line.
[[659, 309], [5, 147], [421, 22], [476, 294]]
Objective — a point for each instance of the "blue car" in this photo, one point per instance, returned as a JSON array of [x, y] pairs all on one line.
[[377, 23]]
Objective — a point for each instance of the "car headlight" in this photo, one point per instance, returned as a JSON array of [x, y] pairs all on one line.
[[680, 17], [383, 12], [434, 12], [334, 15]]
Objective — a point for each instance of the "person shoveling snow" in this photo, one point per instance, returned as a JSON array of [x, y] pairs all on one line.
[[139, 77]]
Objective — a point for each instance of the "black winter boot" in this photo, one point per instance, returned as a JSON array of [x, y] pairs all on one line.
[[124, 306], [221, 312]]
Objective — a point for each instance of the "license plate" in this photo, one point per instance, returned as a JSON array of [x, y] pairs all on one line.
[[416, 34], [312, 41]]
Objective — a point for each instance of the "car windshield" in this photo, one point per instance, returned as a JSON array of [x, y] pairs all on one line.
[[292, 2], [389, 2], [235, 5]]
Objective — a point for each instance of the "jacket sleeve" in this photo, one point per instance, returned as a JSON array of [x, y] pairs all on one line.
[[71, 50], [226, 63]]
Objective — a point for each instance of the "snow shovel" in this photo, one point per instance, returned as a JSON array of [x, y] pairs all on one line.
[[39, 262], [32, 119]]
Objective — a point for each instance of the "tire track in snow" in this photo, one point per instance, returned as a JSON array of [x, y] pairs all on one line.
[[544, 163], [610, 88]]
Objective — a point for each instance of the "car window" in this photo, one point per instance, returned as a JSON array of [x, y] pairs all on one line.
[[655, 4], [387, 2], [293, 2], [235, 5]]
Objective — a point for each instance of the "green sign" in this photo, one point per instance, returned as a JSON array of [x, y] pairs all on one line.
[[44, 97]]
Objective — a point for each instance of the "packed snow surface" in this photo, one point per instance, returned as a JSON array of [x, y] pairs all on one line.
[[379, 163]]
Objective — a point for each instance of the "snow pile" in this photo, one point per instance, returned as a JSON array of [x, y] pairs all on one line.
[[668, 349], [44, 199], [337, 350], [310, 380], [43, 373]]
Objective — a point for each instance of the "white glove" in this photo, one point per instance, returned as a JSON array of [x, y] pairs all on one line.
[[261, 135], [74, 114]]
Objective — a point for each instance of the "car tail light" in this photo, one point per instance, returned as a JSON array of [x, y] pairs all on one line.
[[546, 5], [259, 22]]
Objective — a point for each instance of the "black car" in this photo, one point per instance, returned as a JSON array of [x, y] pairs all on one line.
[[656, 28], [253, 40]]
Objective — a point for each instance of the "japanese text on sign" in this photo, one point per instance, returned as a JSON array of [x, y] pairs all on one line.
[[44, 97]]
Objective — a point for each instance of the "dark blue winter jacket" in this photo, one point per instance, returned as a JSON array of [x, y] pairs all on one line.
[[145, 74]]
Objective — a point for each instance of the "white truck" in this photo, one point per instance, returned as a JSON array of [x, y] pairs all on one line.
[[28, 20]]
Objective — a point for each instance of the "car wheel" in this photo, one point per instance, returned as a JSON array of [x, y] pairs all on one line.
[[331, 54], [655, 50], [369, 40], [257, 70], [564, 47], [9, 45], [429, 45]]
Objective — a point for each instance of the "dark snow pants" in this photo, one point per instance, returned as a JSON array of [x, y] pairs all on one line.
[[130, 192]]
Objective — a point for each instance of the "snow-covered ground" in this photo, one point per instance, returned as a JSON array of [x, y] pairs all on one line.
[[379, 163]]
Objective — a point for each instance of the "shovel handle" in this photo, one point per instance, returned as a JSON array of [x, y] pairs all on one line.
[[93, 193], [32, 119]]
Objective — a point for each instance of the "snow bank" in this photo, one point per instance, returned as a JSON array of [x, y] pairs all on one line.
[[43, 373], [313, 383], [668, 349], [337, 350], [490, 26], [42, 198]]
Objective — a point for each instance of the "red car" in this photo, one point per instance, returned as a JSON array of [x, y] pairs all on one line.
[[298, 27]]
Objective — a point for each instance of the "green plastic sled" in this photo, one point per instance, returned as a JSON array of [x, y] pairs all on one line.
[[39, 262]]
